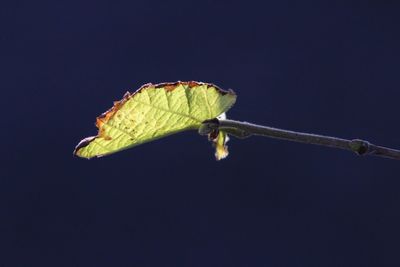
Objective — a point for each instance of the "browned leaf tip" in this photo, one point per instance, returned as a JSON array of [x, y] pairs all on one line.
[[83, 143]]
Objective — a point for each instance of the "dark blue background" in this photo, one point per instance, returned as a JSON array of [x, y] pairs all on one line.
[[327, 67]]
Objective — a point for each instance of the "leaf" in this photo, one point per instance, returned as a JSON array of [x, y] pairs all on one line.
[[152, 112]]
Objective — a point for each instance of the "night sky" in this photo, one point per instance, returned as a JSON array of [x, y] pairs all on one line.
[[327, 67]]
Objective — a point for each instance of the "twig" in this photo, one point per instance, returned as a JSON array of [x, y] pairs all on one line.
[[245, 129]]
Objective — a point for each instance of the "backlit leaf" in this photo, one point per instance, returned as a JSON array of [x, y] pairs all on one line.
[[155, 111]]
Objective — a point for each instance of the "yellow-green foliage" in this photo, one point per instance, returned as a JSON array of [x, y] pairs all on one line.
[[155, 111]]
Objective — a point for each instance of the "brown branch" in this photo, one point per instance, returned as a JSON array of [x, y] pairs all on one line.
[[245, 129]]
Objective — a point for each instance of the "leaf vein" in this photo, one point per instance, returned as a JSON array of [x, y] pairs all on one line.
[[166, 110]]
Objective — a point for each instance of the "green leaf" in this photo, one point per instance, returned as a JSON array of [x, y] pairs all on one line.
[[155, 111]]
